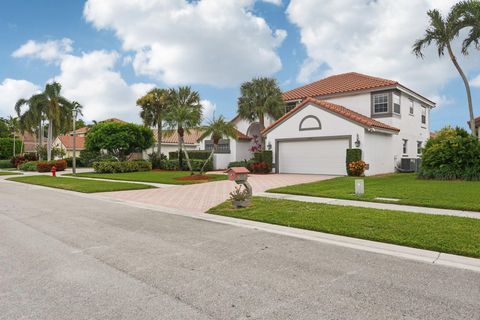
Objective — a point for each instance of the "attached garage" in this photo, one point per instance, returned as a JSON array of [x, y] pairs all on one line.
[[312, 156]]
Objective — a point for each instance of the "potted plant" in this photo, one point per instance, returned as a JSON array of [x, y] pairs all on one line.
[[240, 197]]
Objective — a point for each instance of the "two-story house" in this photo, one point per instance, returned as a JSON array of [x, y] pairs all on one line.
[[382, 117]]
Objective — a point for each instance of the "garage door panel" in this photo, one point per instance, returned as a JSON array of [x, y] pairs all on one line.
[[313, 156]]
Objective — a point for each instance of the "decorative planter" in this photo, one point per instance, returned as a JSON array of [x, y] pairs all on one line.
[[241, 203]]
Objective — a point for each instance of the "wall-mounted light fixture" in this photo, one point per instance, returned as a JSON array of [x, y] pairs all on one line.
[[269, 145], [357, 142]]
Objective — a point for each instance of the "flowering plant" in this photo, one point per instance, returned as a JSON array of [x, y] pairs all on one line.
[[256, 146], [260, 167], [357, 168]]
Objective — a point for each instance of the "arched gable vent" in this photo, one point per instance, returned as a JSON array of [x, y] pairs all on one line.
[[310, 123]]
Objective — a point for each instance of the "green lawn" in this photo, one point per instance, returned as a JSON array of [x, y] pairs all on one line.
[[462, 195], [80, 185], [448, 234], [166, 177], [6, 173]]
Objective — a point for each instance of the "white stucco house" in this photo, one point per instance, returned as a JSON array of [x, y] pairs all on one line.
[[383, 118]]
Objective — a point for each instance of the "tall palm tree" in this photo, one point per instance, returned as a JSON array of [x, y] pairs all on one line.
[[185, 113], [13, 126], [441, 32], [468, 15], [154, 109], [259, 97], [31, 120], [218, 129]]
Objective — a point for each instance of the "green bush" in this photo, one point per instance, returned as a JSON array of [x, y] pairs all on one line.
[[156, 160], [78, 162], [88, 157], [196, 165], [46, 166], [192, 154], [262, 158], [244, 163], [6, 147], [353, 155], [5, 164], [120, 167], [28, 166], [452, 154]]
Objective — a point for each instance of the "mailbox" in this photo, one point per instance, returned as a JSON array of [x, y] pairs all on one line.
[[238, 174]]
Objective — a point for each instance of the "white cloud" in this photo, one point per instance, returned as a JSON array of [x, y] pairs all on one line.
[[275, 2], [10, 91], [52, 50], [372, 37], [208, 109], [91, 80], [476, 81], [212, 42]]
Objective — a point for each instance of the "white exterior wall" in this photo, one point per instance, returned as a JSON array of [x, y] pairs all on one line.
[[360, 103], [167, 148], [377, 151]]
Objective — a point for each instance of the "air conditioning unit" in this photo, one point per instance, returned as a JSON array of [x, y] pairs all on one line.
[[410, 164]]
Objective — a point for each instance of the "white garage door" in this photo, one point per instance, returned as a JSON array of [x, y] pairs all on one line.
[[313, 156]]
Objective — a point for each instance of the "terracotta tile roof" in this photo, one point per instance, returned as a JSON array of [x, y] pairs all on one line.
[[83, 130], [67, 141], [172, 137], [242, 136], [337, 109], [113, 120], [340, 83]]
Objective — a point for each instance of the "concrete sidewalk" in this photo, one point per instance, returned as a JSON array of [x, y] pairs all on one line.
[[374, 205]]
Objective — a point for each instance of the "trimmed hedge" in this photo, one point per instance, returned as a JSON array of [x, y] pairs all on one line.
[[28, 166], [6, 147], [263, 161], [192, 154], [196, 165], [46, 166], [4, 164], [120, 167], [353, 155], [78, 162]]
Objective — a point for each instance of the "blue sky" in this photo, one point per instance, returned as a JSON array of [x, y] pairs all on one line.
[[107, 54]]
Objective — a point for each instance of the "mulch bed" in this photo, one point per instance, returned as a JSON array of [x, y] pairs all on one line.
[[194, 177]]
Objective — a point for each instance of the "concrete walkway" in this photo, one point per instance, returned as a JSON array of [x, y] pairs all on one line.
[[375, 205]]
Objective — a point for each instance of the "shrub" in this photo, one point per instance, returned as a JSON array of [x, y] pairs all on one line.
[[264, 156], [5, 164], [353, 155], [156, 160], [28, 166], [260, 167], [56, 152], [46, 166], [245, 163], [120, 167], [17, 160], [88, 157], [452, 154], [196, 165], [192, 154], [78, 162], [30, 156], [6, 147], [357, 168]]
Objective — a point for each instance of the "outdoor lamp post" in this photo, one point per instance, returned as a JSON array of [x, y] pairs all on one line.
[[74, 160]]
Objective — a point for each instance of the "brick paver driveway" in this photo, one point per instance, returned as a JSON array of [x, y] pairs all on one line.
[[201, 197]]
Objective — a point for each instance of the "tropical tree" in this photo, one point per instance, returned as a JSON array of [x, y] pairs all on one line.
[[13, 126], [217, 129], [76, 109], [441, 32], [154, 110], [259, 97], [32, 119], [4, 130], [185, 113], [468, 15]]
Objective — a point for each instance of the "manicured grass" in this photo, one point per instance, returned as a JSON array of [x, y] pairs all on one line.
[[166, 177], [6, 173], [447, 234], [80, 185], [461, 195]]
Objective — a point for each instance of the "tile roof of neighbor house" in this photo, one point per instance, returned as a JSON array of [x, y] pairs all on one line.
[[67, 141], [337, 109], [83, 130], [190, 137], [112, 120], [242, 136], [340, 83]]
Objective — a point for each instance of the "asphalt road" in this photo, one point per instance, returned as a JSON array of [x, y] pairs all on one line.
[[64, 256]]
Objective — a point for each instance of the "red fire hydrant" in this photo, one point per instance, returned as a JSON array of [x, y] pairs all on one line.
[[54, 171]]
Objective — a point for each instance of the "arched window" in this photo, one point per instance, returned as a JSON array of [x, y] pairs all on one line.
[[310, 123]]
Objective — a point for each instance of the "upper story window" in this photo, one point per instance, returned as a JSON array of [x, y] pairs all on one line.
[[380, 103], [396, 103], [411, 107], [405, 146], [424, 115]]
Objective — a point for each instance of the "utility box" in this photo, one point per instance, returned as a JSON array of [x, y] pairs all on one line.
[[359, 187], [238, 174]]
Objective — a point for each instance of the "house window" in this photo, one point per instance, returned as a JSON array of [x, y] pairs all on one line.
[[396, 103], [380, 103], [405, 144], [411, 108], [424, 115], [419, 147], [222, 147]]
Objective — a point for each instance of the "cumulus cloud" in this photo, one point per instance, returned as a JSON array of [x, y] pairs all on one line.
[[10, 91], [91, 80], [275, 2], [52, 50], [476, 81], [372, 37], [212, 42], [208, 109]]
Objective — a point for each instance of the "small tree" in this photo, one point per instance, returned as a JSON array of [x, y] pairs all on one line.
[[218, 129], [119, 139]]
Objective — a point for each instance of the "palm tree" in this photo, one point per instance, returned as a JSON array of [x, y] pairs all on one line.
[[185, 113], [441, 32], [468, 15], [75, 110], [259, 97], [13, 126], [32, 119], [154, 109], [218, 129]]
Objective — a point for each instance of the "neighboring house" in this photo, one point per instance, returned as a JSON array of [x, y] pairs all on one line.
[[29, 142], [170, 141], [382, 117], [65, 143]]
